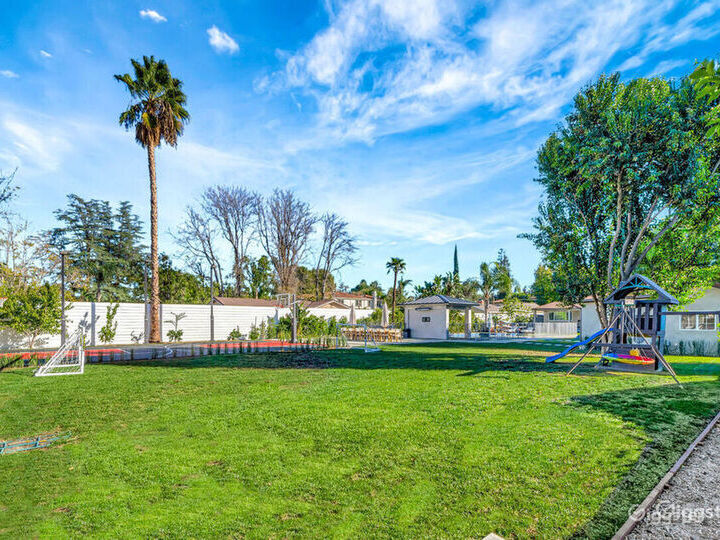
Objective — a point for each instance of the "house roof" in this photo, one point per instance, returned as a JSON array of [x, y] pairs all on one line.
[[552, 306], [245, 302], [339, 294], [525, 305], [324, 304], [441, 299]]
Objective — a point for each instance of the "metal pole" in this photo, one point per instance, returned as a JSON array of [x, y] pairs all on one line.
[[62, 298], [294, 319], [212, 312]]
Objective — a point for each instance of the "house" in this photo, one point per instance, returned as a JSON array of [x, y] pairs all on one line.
[[556, 319], [360, 301], [429, 317], [324, 304], [694, 333]]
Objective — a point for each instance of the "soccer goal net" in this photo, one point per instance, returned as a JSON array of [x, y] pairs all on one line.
[[359, 333], [69, 358]]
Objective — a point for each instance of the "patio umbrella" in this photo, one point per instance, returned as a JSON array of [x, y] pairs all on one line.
[[385, 316], [352, 314]]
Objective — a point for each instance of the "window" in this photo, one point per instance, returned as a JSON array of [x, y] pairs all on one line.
[[703, 321], [426, 319], [560, 316], [687, 322], [706, 322]]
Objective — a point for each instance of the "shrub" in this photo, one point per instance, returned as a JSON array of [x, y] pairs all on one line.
[[109, 330], [235, 335]]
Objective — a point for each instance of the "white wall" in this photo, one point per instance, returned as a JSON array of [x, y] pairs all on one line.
[[436, 328], [710, 301], [131, 321], [589, 320]]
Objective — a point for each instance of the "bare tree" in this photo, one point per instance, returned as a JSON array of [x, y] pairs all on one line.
[[285, 225], [336, 251], [234, 209], [195, 238]]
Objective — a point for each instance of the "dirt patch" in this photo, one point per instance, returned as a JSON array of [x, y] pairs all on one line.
[[690, 506]]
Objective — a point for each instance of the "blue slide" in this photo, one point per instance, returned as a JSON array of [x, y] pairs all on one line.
[[574, 346]]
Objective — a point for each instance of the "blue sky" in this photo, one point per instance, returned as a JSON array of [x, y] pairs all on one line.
[[416, 121]]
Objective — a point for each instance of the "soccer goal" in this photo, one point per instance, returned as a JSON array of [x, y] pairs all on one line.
[[69, 358], [359, 333]]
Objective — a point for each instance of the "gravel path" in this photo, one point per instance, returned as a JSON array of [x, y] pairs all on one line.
[[689, 507]]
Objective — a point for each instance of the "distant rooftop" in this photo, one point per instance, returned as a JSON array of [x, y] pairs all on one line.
[[245, 302], [441, 299]]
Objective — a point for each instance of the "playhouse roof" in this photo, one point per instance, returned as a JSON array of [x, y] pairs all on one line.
[[438, 299], [637, 283]]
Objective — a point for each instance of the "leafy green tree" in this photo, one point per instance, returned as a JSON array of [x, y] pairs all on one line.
[[262, 283], [431, 288], [308, 278], [32, 310], [628, 170], [502, 275], [396, 266], [181, 287], [157, 113], [706, 79], [513, 309], [104, 245], [470, 289], [368, 288], [543, 288], [487, 288]]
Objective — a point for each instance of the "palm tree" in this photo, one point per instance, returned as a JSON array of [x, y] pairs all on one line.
[[157, 113], [487, 287], [396, 266]]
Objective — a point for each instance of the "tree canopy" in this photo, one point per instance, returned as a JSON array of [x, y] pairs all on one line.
[[627, 187]]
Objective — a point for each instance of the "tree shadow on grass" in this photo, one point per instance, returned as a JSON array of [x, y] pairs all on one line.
[[671, 418], [471, 359]]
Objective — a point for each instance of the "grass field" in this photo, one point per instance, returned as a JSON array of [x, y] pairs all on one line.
[[449, 440]]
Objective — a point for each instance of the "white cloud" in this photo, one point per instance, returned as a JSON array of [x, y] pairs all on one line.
[[387, 66], [153, 15], [9, 74], [221, 42], [38, 150], [668, 65], [45, 54]]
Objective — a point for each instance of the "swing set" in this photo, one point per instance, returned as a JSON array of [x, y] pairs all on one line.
[[633, 340]]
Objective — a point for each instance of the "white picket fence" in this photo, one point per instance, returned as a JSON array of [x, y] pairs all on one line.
[[133, 321]]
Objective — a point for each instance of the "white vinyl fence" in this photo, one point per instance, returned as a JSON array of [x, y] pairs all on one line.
[[556, 329], [133, 322]]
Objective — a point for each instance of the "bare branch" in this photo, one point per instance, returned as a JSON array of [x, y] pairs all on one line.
[[234, 210], [285, 225], [337, 251]]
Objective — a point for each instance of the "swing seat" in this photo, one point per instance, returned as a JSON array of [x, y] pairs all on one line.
[[630, 359]]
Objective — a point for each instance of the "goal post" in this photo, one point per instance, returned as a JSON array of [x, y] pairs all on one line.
[[69, 359]]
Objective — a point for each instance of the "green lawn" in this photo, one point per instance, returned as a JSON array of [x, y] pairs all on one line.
[[449, 440]]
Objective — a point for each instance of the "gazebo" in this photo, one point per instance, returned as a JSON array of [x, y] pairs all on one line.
[[429, 317]]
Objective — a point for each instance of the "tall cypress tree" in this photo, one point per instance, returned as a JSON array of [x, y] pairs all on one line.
[[456, 266]]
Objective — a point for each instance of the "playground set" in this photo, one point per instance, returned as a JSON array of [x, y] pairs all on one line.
[[638, 308]]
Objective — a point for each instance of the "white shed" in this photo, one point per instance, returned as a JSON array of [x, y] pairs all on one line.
[[429, 317]]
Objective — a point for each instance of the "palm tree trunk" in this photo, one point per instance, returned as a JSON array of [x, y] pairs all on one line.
[[155, 336], [392, 315]]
